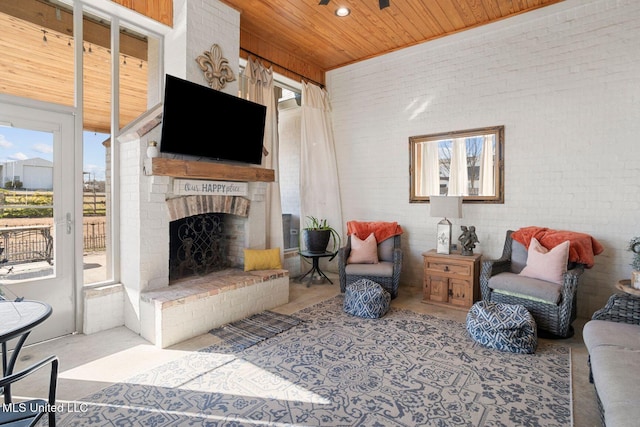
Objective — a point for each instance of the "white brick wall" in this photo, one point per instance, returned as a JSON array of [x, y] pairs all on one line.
[[199, 25], [103, 308], [564, 80]]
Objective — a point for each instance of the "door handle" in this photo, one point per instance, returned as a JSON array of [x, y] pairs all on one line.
[[69, 223]]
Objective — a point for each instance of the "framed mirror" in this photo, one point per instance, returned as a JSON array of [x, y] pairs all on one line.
[[468, 163]]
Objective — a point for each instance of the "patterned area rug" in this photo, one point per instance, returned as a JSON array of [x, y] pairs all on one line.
[[334, 369], [250, 331]]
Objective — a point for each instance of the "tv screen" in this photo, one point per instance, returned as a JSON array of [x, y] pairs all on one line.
[[203, 122]]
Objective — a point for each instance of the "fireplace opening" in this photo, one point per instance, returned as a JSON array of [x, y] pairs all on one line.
[[198, 245]]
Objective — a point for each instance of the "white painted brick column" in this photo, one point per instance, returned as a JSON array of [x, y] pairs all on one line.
[[144, 231], [255, 227]]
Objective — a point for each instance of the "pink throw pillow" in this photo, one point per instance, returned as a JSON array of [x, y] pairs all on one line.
[[363, 251], [544, 264]]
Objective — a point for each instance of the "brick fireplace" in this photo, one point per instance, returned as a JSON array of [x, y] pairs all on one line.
[[144, 301], [165, 312]]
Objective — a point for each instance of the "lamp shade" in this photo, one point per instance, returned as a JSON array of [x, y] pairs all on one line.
[[446, 206]]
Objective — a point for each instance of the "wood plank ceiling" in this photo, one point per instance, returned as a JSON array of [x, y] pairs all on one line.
[[300, 38], [315, 36], [38, 62]]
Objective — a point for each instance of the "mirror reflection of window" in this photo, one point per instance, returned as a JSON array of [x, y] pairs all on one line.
[[464, 163]]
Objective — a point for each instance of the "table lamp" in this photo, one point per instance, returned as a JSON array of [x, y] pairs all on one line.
[[447, 207]]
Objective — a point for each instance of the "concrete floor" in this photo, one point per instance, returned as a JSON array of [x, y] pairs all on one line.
[[89, 363]]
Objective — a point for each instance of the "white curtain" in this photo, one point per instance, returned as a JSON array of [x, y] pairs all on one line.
[[260, 89], [458, 174], [430, 169], [487, 175], [319, 188]]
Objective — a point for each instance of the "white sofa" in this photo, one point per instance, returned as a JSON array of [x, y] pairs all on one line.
[[612, 338]]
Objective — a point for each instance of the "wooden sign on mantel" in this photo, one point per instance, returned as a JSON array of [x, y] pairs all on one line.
[[190, 187]]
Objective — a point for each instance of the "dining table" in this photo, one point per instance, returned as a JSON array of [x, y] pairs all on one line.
[[17, 320]]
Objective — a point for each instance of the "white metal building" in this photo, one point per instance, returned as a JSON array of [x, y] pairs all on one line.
[[35, 173]]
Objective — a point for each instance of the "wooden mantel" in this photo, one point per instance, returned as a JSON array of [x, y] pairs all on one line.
[[206, 170]]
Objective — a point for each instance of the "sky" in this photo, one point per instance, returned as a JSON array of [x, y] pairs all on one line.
[[21, 144]]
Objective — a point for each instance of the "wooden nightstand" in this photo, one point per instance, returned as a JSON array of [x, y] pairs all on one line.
[[451, 280]]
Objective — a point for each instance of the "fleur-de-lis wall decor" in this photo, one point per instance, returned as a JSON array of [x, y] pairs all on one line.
[[216, 69]]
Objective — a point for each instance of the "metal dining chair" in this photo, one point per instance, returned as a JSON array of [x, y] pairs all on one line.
[[29, 412]]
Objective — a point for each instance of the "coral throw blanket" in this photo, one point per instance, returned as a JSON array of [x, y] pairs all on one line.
[[582, 247], [381, 230]]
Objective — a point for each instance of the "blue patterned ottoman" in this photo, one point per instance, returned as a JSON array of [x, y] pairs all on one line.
[[366, 298], [505, 327]]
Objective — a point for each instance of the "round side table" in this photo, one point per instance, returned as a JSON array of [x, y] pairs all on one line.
[[625, 286], [315, 257]]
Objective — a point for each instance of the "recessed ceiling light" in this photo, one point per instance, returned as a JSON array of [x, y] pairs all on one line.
[[342, 11]]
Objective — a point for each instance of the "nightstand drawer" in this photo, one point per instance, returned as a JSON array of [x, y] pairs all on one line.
[[438, 266]]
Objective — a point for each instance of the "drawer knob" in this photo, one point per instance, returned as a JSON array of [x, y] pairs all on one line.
[[446, 268]]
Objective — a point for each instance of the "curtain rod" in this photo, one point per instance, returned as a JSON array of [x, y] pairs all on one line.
[[284, 68]]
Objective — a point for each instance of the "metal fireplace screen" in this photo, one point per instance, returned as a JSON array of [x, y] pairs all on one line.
[[197, 246]]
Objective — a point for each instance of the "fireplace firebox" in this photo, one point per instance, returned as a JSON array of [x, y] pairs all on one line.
[[197, 246]]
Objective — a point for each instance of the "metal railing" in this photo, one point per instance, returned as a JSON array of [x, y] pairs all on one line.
[[25, 244], [94, 236], [35, 243]]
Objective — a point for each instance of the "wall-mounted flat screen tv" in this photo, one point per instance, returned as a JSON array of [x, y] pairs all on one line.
[[203, 122]]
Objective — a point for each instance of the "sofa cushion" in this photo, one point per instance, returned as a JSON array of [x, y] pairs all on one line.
[[605, 333], [518, 256], [382, 269], [385, 249], [615, 375], [516, 284], [545, 264], [262, 259], [363, 251]]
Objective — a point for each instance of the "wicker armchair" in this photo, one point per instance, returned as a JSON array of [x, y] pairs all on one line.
[[550, 316], [386, 272], [622, 308]]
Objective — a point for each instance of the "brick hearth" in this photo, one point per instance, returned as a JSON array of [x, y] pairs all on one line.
[[197, 305]]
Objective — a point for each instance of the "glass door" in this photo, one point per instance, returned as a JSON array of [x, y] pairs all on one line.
[[37, 212]]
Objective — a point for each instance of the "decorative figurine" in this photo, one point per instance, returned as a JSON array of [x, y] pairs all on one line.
[[468, 239]]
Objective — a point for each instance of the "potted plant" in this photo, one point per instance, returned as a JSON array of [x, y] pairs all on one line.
[[634, 246], [317, 234]]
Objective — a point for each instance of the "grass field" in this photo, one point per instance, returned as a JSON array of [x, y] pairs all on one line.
[[32, 204]]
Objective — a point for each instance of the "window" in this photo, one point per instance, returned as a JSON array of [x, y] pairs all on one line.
[[41, 36], [468, 163]]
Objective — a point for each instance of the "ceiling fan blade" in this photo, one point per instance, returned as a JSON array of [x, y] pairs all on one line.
[[324, 2], [384, 3]]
